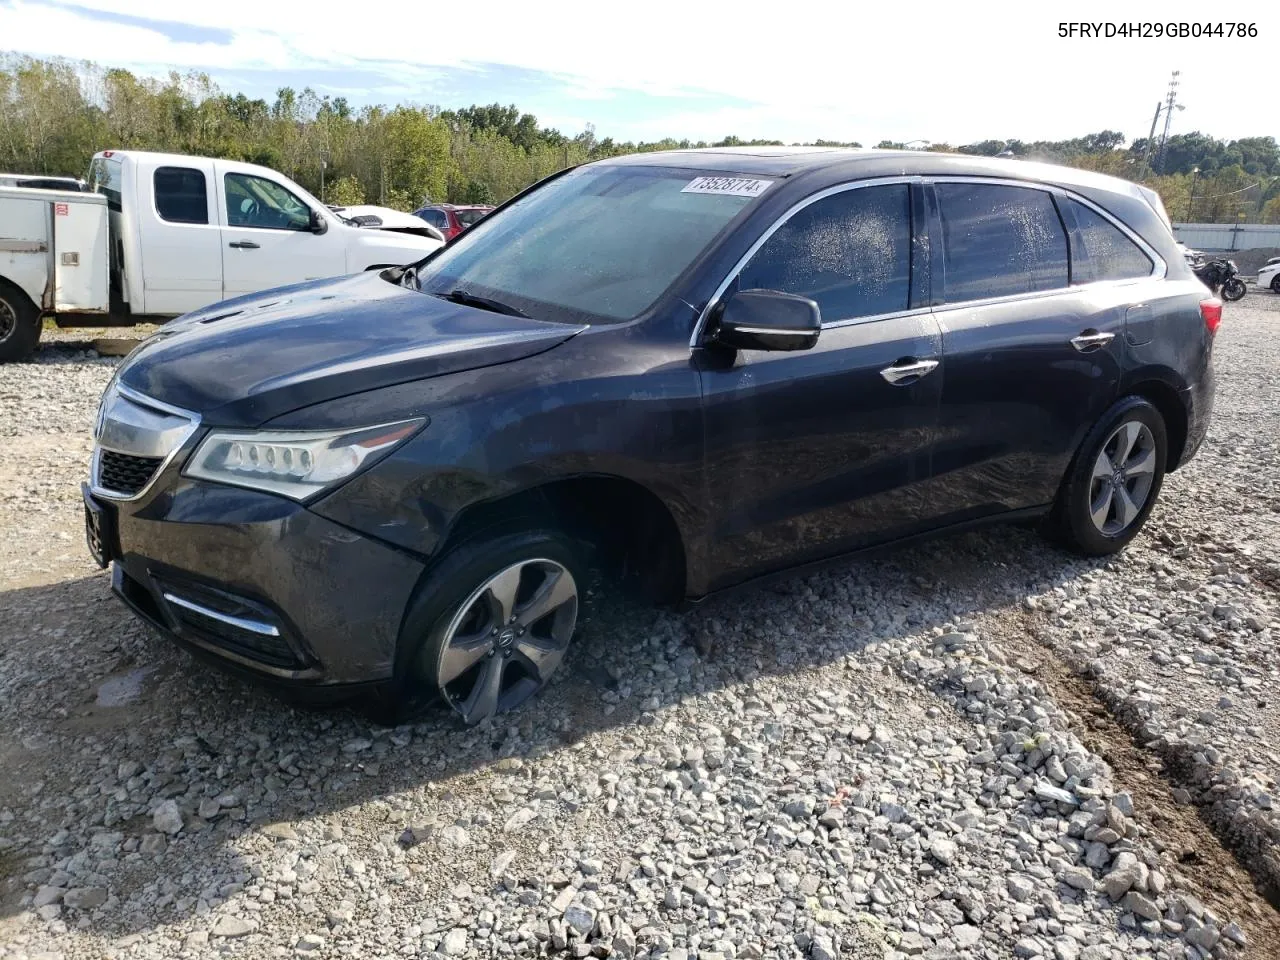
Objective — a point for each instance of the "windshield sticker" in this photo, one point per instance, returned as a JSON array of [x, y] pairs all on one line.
[[733, 186]]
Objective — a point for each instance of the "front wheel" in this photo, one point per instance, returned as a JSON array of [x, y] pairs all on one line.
[[492, 622], [1112, 484], [1233, 289], [1275, 283]]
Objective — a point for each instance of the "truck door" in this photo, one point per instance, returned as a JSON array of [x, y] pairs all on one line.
[[178, 226], [267, 237]]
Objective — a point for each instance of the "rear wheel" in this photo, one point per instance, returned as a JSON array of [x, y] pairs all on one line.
[[1112, 484], [1233, 289], [19, 324], [492, 623]]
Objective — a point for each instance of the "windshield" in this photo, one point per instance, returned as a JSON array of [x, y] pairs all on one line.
[[598, 243]]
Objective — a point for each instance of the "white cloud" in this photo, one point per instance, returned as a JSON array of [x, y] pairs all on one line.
[[941, 71]]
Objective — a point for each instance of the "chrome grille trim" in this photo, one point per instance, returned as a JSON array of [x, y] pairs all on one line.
[[140, 427]]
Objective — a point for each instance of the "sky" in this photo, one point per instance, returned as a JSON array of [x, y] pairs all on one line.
[[796, 71]]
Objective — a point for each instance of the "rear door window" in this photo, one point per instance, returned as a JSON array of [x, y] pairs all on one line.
[[999, 241], [849, 252], [1100, 250], [182, 195]]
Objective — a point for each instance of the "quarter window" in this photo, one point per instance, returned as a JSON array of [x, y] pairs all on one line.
[[259, 202], [1101, 251], [850, 252], [999, 241], [182, 195]]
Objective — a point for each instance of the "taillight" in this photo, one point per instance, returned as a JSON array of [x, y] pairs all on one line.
[[1211, 313]]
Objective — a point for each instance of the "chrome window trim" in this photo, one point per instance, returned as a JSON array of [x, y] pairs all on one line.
[[775, 226], [142, 400], [1159, 269]]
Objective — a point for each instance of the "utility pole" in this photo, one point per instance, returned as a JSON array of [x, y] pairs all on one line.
[[1151, 137], [1171, 101]]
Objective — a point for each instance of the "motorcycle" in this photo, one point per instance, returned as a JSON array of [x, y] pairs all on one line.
[[1222, 277]]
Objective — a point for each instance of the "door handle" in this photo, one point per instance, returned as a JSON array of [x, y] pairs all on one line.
[[1091, 341], [911, 370], [242, 245]]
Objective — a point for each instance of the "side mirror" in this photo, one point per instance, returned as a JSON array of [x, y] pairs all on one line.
[[768, 320], [318, 223]]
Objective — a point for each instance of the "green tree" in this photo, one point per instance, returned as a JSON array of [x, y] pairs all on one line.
[[345, 191]]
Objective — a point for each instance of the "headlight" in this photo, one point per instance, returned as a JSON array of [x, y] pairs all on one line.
[[296, 464]]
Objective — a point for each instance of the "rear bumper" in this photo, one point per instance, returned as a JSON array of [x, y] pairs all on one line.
[[1198, 401], [262, 587]]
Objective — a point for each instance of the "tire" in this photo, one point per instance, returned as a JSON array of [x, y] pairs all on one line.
[[20, 325], [455, 646], [1275, 283], [1085, 487], [1234, 289]]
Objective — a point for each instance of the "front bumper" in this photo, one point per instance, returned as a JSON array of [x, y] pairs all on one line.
[[262, 586]]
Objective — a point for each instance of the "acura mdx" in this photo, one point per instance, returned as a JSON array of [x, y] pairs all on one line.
[[689, 370]]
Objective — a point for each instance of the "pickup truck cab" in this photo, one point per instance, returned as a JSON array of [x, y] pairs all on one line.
[[177, 233]]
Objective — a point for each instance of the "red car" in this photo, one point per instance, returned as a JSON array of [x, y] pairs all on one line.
[[451, 219]]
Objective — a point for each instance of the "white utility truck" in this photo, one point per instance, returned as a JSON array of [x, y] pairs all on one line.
[[158, 235]]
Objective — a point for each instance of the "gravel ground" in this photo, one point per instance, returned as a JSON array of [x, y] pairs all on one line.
[[979, 747]]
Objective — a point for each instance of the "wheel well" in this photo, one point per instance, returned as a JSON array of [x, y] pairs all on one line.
[[631, 532], [1165, 399], [11, 288]]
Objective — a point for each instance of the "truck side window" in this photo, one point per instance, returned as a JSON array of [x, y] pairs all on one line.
[[259, 202], [182, 195]]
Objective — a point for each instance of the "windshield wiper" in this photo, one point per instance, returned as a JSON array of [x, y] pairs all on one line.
[[484, 303]]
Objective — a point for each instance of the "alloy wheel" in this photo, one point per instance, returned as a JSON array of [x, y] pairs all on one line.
[[507, 638], [1122, 477]]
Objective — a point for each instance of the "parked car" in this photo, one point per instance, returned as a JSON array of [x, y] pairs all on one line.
[[451, 219], [161, 234], [690, 370], [386, 218], [1269, 275]]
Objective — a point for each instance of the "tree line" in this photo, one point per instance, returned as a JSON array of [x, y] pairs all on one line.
[[55, 113]]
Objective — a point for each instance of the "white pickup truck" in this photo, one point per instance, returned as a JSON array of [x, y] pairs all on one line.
[[158, 235]]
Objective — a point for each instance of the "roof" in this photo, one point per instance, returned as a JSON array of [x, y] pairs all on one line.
[[855, 163]]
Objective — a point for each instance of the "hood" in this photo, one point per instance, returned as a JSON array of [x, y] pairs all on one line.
[[369, 216], [245, 361]]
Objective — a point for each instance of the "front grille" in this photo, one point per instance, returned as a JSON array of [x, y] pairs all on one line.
[[125, 473]]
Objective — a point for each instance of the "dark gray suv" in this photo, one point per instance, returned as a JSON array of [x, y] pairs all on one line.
[[693, 369]]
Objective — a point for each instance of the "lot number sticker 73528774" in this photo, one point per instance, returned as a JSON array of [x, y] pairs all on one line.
[[733, 186]]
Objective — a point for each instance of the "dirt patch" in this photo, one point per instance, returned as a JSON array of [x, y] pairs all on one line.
[[1201, 857]]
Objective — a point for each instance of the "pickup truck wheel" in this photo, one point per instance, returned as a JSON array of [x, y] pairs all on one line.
[[1112, 484], [19, 324], [492, 622]]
